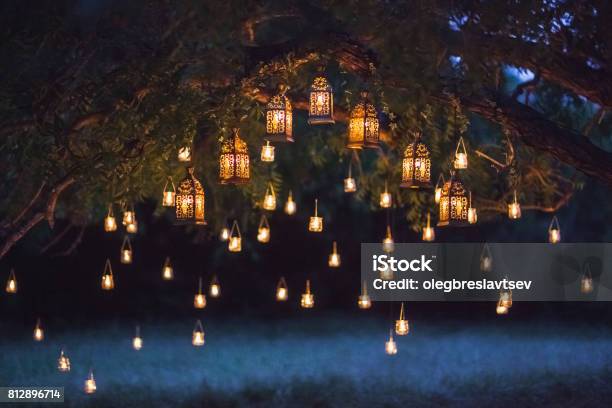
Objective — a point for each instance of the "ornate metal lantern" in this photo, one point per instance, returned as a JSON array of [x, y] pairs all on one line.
[[505, 298], [129, 215], [334, 257], [282, 292], [167, 270], [197, 336], [199, 300], [514, 208], [267, 152], [429, 234], [290, 205], [316, 223], [11, 283], [126, 251], [169, 193], [401, 324], [307, 300], [235, 239], [137, 340], [363, 125], [269, 201], [279, 119], [461, 159], [416, 166], [321, 109], [501, 309], [386, 199], [388, 245], [63, 363], [110, 222], [39, 333], [364, 302], [453, 203], [108, 281], [234, 160], [263, 231], [190, 200], [390, 345], [90, 384], [215, 287], [554, 231]]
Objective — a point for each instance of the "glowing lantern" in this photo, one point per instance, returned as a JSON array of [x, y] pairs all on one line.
[[364, 301], [390, 345], [169, 193], [472, 213], [137, 340], [290, 205], [197, 337], [263, 232], [505, 298], [554, 231], [126, 251], [316, 223], [416, 166], [132, 228], [190, 200], [167, 270], [453, 203], [334, 257], [386, 200], [282, 292], [461, 159], [199, 300], [514, 209], [129, 215], [184, 154], [438, 190], [269, 201], [501, 309], [321, 109], [234, 160], [586, 282], [350, 185], [267, 152], [279, 119], [39, 334], [235, 238], [486, 259], [108, 282], [110, 223], [386, 273], [63, 363], [215, 288], [401, 324], [224, 234], [363, 125], [388, 245], [428, 232], [307, 301], [90, 383], [11, 283]]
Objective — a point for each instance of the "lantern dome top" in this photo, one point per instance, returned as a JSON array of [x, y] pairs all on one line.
[[417, 147], [234, 144], [279, 101], [320, 84], [454, 186], [364, 108], [190, 184]]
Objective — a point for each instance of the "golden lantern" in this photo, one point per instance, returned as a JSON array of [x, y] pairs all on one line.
[[63, 363], [269, 201], [110, 223], [39, 334], [416, 166], [505, 298], [108, 281], [190, 200], [169, 193], [235, 239], [279, 119], [390, 345], [363, 125], [350, 185], [129, 215], [438, 189], [429, 234], [472, 213], [453, 203], [11, 283], [199, 300], [316, 223], [167, 270], [554, 231], [290, 205], [388, 245], [586, 282], [334, 257], [386, 199], [263, 232], [215, 288], [184, 154], [137, 340], [90, 384], [126, 251], [514, 209], [282, 291], [501, 309], [267, 152], [224, 234], [307, 300], [234, 160], [486, 259], [401, 325], [461, 159], [321, 108], [197, 337], [364, 302]]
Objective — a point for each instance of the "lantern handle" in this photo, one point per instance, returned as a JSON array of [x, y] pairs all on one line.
[[335, 247], [198, 326], [554, 223], [126, 243], [587, 270], [108, 269], [236, 228], [282, 283]]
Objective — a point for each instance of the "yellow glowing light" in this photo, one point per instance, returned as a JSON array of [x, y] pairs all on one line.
[[63, 363], [137, 340], [282, 292], [290, 205], [11, 283], [279, 119], [110, 223], [453, 209], [307, 300], [315, 223], [438, 190], [428, 232], [267, 152], [263, 232], [386, 199], [586, 282], [391, 345], [350, 185], [184, 154], [321, 108], [224, 234], [129, 216], [554, 231], [167, 270], [108, 282], [126, 251], [90, 384], [472, 215], [334, 257], [364, 302], [197, 337], [501, 309], [235, 239], [514, 209], [388, 245], [486, 260], [215, 288], [505, 298], [401, 325], [269, 201], [39, 334], [199, 300], [461, 159], [169, 193]]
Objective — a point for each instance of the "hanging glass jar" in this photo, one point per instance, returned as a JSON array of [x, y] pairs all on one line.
[[321, 107], [269, 201], [514, 209], [63, 363], [199, 300], [586, 281], [307, 300], [501, 309], [386, 199], [486, 259], [108, 281], [197, 336], [215, 287], [401, 325], [390, 345], [554, 231], [167, 270], [90, 384], [364, 302], [234, 162], [190, 200], [290, 205], [279, 119], [267, 152], [363, 125], [11, 283], [235, 239], [263, 232], [416, 166], [129, 215], [132, 228], [472, 213], [169, 193], [110, 223], [137, 340], [316, 223], [453, 203], [461, 159], [39, 334], [350, 185], [126, 251], [334, 257], [429, 234], [282, 292], [388, 245]]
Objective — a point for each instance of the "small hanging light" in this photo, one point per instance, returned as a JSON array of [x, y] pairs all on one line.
[[39, 334], [267, 152], [126, 251], [438, 190], [386, 273], [132, 228], [486, 259], [215, 287], [110, 223], [501, 309], [129, 215], [224, 234], [514, 209], [472, 214], [263, 232], [269, 201], [11, 283], [169, 193], [167, 270], [388, 245], [90, 383], [282, 292], [316, 223], [364, 301], [461, 159], [234, 160], [137, 340], [363, 125], [190, 200], [199, 300], [429, 234], [197, 337], [401, 324], [453, 203], [586, 282], [63, 363], [416, 166], [505, 298], [235, 238], [279, 118], [391, 345], [307, 301], [554, 231], [334, 257], [108, 281], [321, 109], [184, 154], [290, 205], [386, 199], [350, 185]]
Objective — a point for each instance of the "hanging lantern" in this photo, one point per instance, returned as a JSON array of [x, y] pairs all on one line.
[[234, 160], [401, 325], [486, 259], [90, 384], [316, 223], [129, 215], [364, 301], [235, 238], [350, 185], [126, 251], [390, 345], [132, 228], [184, 154], [514, 209], [282, 292], [386, 199], [63, 363], [269, 201], [39, 334], [472, 214], [453, 203], [167, 270], [169, 193], [279, 119], [290, 205], [505, 298], [501, 309], [429, 234], [554, 231], [363, 125], [334, 257], [137, 340], [190, 200], [388, 245], [263, 232], [108, 282], [267, 152], [199, 301], [321, 109], [215, 288], [461, 159], [307, 301], [438, 190], [416, 166], [197, 337], [224, 234], [386, 273], [586, 282], [110, 223], [11, 283]]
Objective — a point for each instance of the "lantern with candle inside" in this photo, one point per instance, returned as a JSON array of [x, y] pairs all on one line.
[[110, 223], [321, 108], [388, 245], [197, 337], [184, 154], [416, 166], [505, 298], [263, 232], [486, 259], [401, 324], [363, 125], [279, 119], [190, 200], [108, 281], [316, 223], [554, 231], [290, 205], [63, 363], [429, 234], [132, 228], [501, 309], [126, 251], [137, 340], [199, 300], [267, 152], [334, 257], [461, 159], [364, 302], [167, 270], [472, 213], [269, 201], [438, 189], [224, 234], [386, 199], [235, 239], [391, 345], [11, 283], [215, 287], [129, 215], [586, 281], [39, 334], [307, 300], [514, 208], [453, 203], [282, 292], [90, 384], [169, 193], [350, 185], [234, 162]]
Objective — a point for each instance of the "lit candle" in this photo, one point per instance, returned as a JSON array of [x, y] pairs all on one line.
[[428, 232], [267, 152], [63, 363], [137, 340], [554, 236], [184, 154], [334, 257], [364, 302], [290, 206], [197, 337], [90, 384], [224, 235], [350, 185], [390, 345]]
